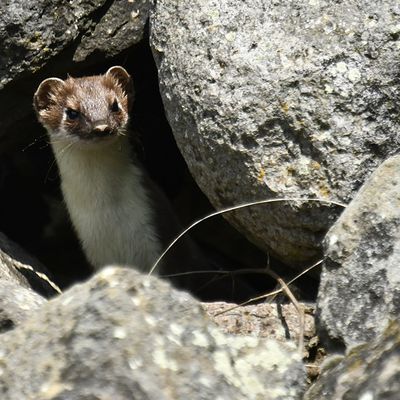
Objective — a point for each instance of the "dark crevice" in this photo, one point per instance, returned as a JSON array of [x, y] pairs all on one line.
[[283, 321], [6, 324], [100, 12]]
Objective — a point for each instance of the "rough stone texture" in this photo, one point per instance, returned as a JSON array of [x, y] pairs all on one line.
[[16, 304], [121, 27], [33, 32], [280, 322], [368, 372], [280, 99], [360, 281], [19, 268], [23, 284], [125, 336]]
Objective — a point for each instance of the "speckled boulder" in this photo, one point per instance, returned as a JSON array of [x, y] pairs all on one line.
[[32, 33], [360, 281], [280, 99], [369, 371], [124, 336], [19, 268], [16, 304]]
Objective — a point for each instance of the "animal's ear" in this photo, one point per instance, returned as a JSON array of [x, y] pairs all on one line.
[[43, 95], [123, 78]]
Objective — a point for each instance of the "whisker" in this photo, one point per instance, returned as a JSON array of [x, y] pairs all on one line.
[[48, 171], [34, 142], [64, 149]]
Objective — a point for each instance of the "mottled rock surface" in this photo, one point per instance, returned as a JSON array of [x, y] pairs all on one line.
[[368, 372], [280, 99], [119, 28], [31, 33], [123, 336], [278, 321], [20, 268], [16, 304], [271, 320], [24, 284], [360, 282]]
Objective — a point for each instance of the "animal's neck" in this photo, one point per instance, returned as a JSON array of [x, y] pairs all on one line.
[[102, 168], [108, 204]]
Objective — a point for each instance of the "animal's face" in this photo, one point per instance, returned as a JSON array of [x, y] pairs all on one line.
[[89, 109]]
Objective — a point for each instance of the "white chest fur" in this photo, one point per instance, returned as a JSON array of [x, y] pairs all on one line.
[[108, 204]]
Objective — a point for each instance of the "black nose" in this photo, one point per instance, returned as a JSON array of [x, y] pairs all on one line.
[[101, 131]]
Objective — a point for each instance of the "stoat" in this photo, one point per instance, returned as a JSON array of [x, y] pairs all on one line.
[[119, 215]]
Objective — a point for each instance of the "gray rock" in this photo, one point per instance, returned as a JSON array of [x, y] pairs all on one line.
[[280, 99], [121, 27], [360, 282], [24, 284], [368, 372], [125, 336], [32, 33], [16, 304], [272, 320], [19, 268]]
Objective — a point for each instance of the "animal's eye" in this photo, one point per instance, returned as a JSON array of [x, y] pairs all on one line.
[[115, 106], [71, 114]]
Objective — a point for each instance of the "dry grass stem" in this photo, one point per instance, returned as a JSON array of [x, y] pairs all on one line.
[[273, 293], [234, 208], [298, 307]]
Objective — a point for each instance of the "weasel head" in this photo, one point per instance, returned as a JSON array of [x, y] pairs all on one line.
[[92, 109]]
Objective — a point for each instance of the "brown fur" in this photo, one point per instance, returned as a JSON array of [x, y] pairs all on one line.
[[92, 97]]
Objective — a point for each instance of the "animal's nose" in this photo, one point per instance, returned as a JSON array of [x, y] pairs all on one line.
[[101, 130]]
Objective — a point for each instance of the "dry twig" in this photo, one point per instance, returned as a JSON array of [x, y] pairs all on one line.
[[234, 208]]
